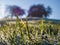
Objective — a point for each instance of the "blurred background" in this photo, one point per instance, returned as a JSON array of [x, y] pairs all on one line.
[[26, 4]]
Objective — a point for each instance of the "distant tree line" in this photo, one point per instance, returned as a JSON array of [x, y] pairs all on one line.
[[34, 11]]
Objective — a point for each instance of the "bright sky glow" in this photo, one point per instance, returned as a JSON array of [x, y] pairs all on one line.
[[2, 10]]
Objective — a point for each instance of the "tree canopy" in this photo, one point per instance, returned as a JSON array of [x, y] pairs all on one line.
[[39, 11], [16, 10]]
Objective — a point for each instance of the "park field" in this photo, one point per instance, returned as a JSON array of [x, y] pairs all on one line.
[[30, 31]]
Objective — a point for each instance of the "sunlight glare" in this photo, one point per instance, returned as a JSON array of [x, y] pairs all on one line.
[[2, 10]]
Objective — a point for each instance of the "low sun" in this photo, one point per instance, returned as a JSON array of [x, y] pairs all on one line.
[[2, 10]]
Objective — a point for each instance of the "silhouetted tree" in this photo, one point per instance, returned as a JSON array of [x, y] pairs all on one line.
[[39, 11], [16, 11]]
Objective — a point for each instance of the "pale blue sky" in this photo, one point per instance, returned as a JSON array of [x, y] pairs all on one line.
[[25, 4]]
